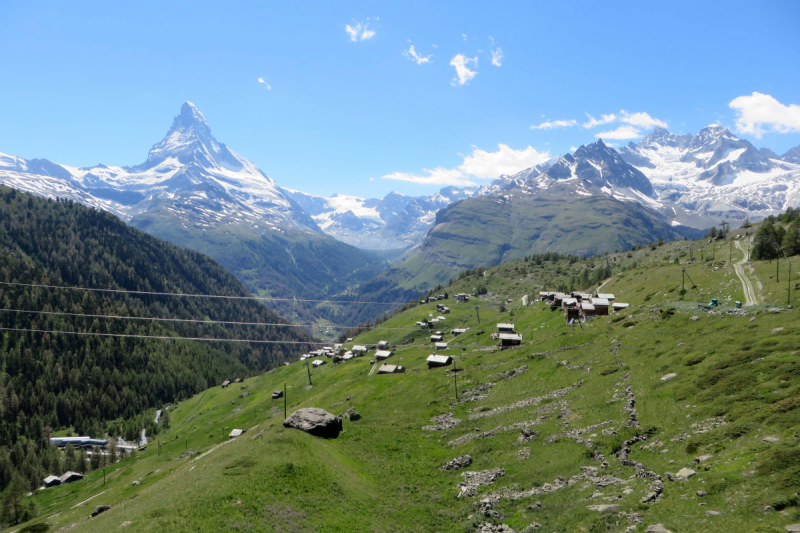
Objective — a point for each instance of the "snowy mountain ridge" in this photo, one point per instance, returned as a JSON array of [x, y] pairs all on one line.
[[188, 173]]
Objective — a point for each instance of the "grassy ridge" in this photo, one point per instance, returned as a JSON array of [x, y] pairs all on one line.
[[382, 473]]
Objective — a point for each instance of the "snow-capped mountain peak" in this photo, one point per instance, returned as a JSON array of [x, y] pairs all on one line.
[[188, 174], [190, 140]]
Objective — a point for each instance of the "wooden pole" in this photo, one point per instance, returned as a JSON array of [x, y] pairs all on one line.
[[455, 375], [284, 402], [778, 270], [789, 298], [309, 373]]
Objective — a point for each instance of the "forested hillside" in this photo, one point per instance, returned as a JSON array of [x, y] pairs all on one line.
[[93, 384]]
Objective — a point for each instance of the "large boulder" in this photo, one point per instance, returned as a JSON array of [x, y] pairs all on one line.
[[316, 421]]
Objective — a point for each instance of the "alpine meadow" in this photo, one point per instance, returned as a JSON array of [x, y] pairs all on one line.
[[465, 268]]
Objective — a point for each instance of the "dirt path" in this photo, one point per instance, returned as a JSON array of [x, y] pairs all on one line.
[[749, 291]]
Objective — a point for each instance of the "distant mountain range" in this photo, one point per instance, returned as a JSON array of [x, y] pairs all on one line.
[[693, 180], [196, 192]]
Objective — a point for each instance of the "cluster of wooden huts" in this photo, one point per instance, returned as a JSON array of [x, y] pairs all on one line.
[[579, 306], [507, 335]]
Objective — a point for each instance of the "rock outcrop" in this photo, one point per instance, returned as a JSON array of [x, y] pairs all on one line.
[[315, 421]]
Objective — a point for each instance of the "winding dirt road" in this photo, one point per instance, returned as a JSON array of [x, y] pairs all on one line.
[[749, 291]]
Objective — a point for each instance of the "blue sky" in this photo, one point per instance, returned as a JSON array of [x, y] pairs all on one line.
[[86, 83]]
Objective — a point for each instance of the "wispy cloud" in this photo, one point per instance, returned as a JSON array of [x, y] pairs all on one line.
[[760, 113], [604, 119], [464, 35], [480, 164], [497, 57], [623, 132], [552, 124], [359, 31], [265, 84], [641, 120], [463, 73], [415, 57], [491, 39]]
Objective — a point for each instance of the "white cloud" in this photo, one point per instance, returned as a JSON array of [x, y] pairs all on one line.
[[480, 165], [265, 84], [604, 119], [641, 120], [491, 39], [435, 45], [367, 34], [415, 57], [359, 31], [623, 132], [549, 125], [497, 57], [464, 35], [463, 73], [760, 113]]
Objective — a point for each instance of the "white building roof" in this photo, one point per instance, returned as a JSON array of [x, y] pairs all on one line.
[[318, 362], [504, 325], [235, 433], [600, 301], [359, 348], [383, 354], [620, 305], [441, 359], [607, 296], [587, 306], [569, 301], [441, 345], [510, 336]]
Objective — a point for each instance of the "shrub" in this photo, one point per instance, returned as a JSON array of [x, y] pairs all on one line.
[[694, 359]]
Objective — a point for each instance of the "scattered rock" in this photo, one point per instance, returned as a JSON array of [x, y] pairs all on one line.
[[702, 458], [526, 435], [771, 439], [473, 480], [794, 528], [701, 493], [684, 473], [523, 453], [536, 506], [713, 513], [315, 421], [667, 377], [604, 508], [352, 414], [136, 483], [443, 422], [100, 509], [533, 526], [459, 462], [776, 330], [126, 523], [657, 528], [493, 528], [693, 319]]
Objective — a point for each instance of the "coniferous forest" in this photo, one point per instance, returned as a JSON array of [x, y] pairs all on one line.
[[103, 385]]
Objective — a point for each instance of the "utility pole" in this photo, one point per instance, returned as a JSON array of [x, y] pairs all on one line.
[[691, 253], [309, 373], [683, 279], [284, 402], [730, 252], [477, 312], [455, 375], [777, 270], [789, 298]]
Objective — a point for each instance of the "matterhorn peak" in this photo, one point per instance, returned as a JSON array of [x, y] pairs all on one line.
[[189, 139]]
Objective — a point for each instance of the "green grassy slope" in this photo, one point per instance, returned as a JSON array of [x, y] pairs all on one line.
[[737, 383], [485, 231]]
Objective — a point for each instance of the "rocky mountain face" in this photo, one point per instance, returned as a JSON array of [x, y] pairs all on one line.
[[396, 221], [700, 180], [792, 156], [196, 192]]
